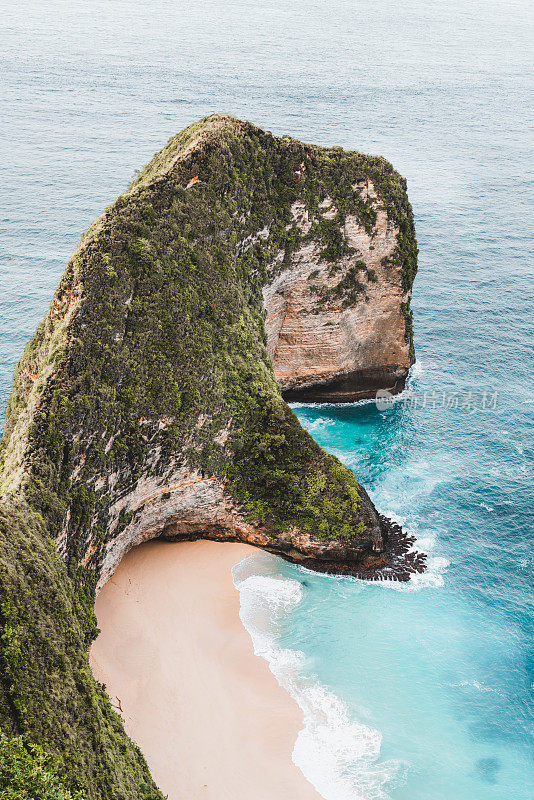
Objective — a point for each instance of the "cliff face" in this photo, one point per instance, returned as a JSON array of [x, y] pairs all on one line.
[[337, 329], [146, 404]]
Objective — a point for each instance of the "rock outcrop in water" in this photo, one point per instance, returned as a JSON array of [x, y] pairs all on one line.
[[147, 405]]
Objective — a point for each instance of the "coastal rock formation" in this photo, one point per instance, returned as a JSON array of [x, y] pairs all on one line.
[[187, 505], [337, 331], [148, 404]]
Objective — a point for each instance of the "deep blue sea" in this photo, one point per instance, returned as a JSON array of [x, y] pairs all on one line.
[[414, 692]]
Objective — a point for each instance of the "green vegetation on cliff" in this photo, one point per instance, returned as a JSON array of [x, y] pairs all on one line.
[[47, 692], [153, 346], [28, 773]]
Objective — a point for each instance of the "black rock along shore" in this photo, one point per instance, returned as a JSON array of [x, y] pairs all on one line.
[[398, 561]]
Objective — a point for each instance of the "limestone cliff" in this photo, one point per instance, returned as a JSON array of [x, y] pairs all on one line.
[[339, 329], [147, 404]]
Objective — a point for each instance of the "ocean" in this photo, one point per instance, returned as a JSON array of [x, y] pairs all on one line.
[[421, 691]]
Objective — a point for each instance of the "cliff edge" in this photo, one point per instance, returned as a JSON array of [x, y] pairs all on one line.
[[236, 268]]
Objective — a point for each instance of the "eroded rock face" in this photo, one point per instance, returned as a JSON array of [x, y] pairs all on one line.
[[186, 505], [322, 348]]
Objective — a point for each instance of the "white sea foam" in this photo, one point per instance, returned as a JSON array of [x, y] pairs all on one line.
[[431, 578], [313, 425], [355, 404], [337, 754], [480, 687], [416, 370]]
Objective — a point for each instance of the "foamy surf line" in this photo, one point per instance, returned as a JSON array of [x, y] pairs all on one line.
[[416, 370], [337, 754]]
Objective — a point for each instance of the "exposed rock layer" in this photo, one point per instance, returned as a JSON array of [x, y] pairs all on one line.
[[188, 506], [325, 349]]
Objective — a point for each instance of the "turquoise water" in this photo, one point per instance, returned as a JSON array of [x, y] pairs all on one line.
[[433, 674], [423, 691]]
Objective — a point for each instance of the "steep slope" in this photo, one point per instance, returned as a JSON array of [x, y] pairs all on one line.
[[147, 405]]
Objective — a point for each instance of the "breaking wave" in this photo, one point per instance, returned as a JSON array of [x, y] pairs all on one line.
[[336, 753]]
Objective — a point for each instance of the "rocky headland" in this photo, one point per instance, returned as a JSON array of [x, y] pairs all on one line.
[[237, 270]]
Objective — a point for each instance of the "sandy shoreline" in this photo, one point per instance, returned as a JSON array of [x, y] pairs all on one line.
[[207, 713]]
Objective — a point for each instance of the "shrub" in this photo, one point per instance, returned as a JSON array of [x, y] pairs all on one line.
[[28, 773]]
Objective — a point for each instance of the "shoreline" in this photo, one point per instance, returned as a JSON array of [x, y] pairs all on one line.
[[207, 713], [399, 560]]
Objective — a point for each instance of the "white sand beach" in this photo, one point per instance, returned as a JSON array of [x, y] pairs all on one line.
[[208, 715]]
